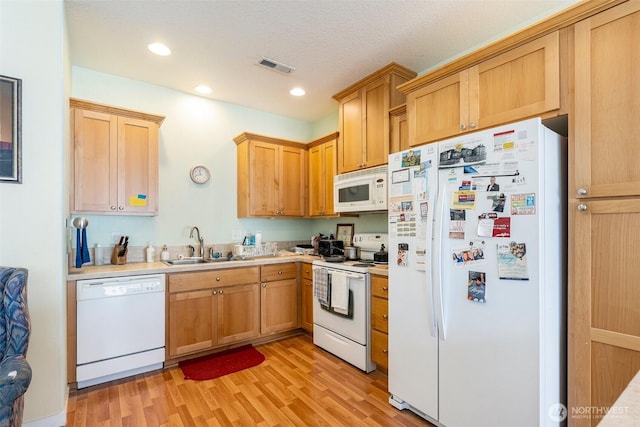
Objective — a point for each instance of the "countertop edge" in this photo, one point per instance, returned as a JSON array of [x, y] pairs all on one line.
[[158, 267]]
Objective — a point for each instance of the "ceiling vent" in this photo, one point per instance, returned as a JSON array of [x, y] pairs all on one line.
[[275, 65]]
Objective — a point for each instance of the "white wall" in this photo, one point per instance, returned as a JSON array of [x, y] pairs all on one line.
[[32, 48]]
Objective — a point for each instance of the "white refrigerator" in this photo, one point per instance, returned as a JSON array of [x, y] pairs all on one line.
[[477, 278]]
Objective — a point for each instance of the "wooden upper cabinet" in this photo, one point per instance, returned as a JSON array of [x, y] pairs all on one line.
[[363, 117], [399, 129], [114, 160], [271, 176], [607, 105], [522, 82], [322, 168]]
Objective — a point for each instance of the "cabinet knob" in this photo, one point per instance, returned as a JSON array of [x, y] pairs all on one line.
[[264, 285], [121, 208], [582, 191], [280, 272], [217, 279], [385, 351], [384, 288], [385, 317], [472, 125], [214, 292], [582, 207], [113, 208], [463, 126], [221, 291]]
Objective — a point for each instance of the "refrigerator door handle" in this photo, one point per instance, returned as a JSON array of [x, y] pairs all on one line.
[[438, 246]]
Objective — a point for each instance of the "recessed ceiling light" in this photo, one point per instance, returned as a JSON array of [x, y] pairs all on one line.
[[203, 89], [297, 91], [159, 49]]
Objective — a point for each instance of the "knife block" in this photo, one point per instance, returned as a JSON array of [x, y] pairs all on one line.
[[119, 255]]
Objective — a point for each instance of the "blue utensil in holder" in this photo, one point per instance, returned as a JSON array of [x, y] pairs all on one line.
[[82, 248]]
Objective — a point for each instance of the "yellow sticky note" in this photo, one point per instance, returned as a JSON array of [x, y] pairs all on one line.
[[136, 201]]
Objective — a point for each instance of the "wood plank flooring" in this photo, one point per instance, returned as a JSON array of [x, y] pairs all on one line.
[[298, 384]]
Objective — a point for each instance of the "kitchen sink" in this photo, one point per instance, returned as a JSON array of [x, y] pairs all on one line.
[[194, 260]]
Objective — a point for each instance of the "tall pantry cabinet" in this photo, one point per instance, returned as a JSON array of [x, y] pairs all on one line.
[[604, 206]]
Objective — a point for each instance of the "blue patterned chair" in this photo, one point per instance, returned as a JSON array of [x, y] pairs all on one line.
[[15, 372]]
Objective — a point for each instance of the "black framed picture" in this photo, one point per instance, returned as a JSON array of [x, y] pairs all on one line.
[[10, 129]]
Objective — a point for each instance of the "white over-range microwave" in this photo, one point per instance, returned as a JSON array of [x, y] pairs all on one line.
[[361, 191]]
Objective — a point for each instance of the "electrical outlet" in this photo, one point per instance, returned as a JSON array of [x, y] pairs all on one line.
[[236, 235], [115, 237]]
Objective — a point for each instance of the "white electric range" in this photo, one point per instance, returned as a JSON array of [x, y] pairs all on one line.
[[342, 325]]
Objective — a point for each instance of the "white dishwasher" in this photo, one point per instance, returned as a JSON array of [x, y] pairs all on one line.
[[120, 327]]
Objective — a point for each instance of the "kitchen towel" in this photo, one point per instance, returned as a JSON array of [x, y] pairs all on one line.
[[339, 293], [321, 285], [82, 250]]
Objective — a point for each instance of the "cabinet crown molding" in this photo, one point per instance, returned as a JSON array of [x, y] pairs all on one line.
[[118, 111], [392, 68], [562, 19]]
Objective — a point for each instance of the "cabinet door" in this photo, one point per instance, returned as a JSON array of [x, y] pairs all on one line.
[[95, 162], [351, 133], [307, 297], [329, 156], [399, 139], [192, 319], [316, 181], [322, 168], [438, 110], [523, 82], [604, 319], [376, 122], [380, 350], [264, 169], [238, 308], [380, 314], [137, 166], [279, 302], [291, 183], [606, 135]]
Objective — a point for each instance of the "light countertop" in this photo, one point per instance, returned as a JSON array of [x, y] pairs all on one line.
[[110, 270], [625, 412]]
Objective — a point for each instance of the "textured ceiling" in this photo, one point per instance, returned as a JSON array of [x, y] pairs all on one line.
[[331, 43]]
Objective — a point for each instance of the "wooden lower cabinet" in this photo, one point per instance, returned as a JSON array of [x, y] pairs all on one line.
[[212, 308], [307, 297], [278, 297], [380, 322]]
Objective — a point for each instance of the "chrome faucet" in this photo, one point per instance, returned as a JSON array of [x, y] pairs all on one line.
[[200, 240]]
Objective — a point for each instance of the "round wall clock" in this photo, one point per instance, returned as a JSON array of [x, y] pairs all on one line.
[[200, 174]]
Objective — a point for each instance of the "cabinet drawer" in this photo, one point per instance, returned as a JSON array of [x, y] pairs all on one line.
[[307, 271], [380, 286], [379, 314], [380, 350], [274, 272], [213, 278]]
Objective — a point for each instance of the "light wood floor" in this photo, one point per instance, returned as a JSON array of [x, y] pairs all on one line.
[[297, 384]]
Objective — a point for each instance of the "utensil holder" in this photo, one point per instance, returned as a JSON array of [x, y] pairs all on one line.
[[119, 255]]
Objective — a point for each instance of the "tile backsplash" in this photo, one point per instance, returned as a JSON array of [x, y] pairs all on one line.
[[138, 253]]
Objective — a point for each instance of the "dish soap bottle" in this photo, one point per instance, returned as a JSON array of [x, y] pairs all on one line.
[[150, 252], [164, 255]]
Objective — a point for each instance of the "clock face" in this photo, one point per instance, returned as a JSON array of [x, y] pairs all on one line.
[[200, 174]]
